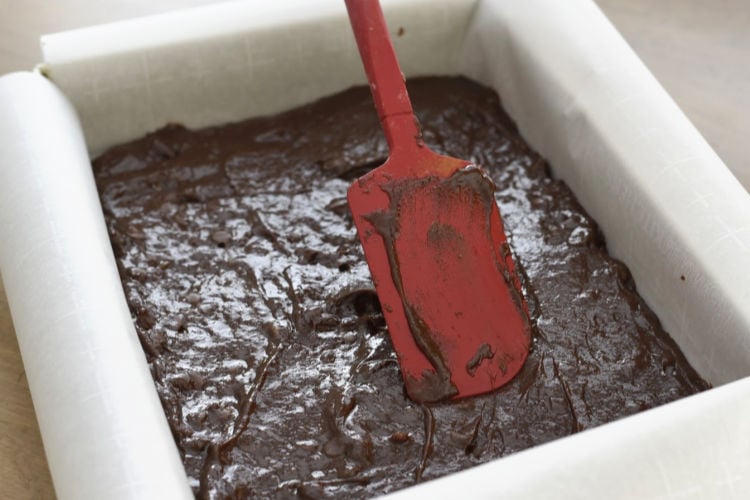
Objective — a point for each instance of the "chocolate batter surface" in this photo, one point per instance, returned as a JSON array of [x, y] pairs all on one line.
[[265, 338]]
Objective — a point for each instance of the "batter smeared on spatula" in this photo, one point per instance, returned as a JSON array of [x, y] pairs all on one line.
[[434, 242]]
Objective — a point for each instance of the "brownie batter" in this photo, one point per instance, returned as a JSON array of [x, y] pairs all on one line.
[[265, 338]]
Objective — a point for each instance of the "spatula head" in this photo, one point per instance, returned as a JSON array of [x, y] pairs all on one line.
[[435, 245]]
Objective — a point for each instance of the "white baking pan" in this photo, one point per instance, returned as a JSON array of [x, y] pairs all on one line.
[[668, 207]]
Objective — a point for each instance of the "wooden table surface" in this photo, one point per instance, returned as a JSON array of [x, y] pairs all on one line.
[[698, 49]]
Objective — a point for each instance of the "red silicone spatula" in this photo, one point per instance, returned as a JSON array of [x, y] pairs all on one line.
[[435, 245]]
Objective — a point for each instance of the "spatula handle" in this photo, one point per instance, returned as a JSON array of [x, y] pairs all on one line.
[[383, 73]]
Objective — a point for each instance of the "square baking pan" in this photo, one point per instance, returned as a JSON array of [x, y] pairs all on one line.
[[667, 205]]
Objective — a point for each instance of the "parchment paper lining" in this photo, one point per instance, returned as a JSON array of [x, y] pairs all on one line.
[[668, 206]]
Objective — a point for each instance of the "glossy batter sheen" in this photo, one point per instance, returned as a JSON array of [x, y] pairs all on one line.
[[264, 335]]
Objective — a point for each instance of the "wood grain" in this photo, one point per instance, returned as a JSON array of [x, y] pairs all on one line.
[[23, 468], [698, 49]]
